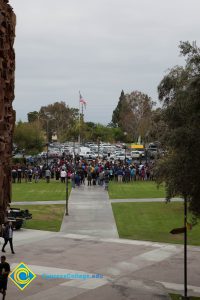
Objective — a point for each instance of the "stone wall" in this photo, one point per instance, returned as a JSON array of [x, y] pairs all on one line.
[[7, 114]]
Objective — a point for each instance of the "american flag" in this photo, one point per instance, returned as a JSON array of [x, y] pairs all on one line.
[[82, 100]]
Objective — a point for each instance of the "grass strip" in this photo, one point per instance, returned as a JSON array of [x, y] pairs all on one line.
[[153, 222], [44, 217], [135, 189], [179, 297], [41, 191]]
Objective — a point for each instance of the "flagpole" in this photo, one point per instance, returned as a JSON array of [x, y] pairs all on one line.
[[81, 103], [82, 111], [79, 118]]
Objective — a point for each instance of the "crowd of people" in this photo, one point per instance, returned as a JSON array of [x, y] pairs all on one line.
[[96, 172]]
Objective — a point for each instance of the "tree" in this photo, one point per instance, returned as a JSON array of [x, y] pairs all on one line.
[[179, 91], [157, 127], [57, 117], [29, 137], [116, 113], [32, 116], [133, 114], [94, 131]]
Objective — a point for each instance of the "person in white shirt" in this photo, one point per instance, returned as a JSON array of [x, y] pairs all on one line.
[[63, 175]]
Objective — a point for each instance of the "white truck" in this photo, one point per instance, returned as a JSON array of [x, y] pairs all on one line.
[[85, 152]]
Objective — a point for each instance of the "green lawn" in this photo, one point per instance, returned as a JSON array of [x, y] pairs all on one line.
[[136, 189], [44, 217], [41, 191], [152, 222], [178, 297]]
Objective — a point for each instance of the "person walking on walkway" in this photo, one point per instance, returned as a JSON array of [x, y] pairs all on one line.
[[73, 179], [8, 236], [4, 272], [106, 179]]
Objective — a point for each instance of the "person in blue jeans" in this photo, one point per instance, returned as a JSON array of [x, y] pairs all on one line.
[[8, 236], [120, 174]]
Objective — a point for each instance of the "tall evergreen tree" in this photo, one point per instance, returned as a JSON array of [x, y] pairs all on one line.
[[117, 111]]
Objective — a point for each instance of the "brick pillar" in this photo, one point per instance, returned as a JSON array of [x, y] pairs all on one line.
[[7, 114]]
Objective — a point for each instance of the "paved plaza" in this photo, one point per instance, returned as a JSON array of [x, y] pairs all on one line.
[[88, 243]]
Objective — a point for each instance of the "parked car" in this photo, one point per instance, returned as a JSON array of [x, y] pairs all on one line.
[[128, 156], [135, 154], [120, 156]]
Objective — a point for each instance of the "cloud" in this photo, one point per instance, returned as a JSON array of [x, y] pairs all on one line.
[[98, 47]]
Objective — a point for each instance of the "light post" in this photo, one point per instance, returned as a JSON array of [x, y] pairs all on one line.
[[184, 230], [98, 143], [74, 155], [125, 147], [146, 155], [47, 115], [67, 193], [185, 297], [47, 144]]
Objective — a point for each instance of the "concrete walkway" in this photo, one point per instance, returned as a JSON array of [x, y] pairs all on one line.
[[88, 243], [90, 213], [39, 202], [131, 270], [146, 200], [111, 200]]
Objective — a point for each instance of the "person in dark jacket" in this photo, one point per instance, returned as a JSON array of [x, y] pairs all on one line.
[[8, 236], [4, 272]]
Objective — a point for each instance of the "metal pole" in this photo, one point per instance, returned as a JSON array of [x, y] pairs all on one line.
[[67, 195], [98, 146], [74, 152], [81, 124], [79, 127], [47, 153], [185, 297], [125, 155], [146, 155], [47, 141]]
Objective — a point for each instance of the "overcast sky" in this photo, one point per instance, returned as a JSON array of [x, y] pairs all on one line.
[[98, 47]]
